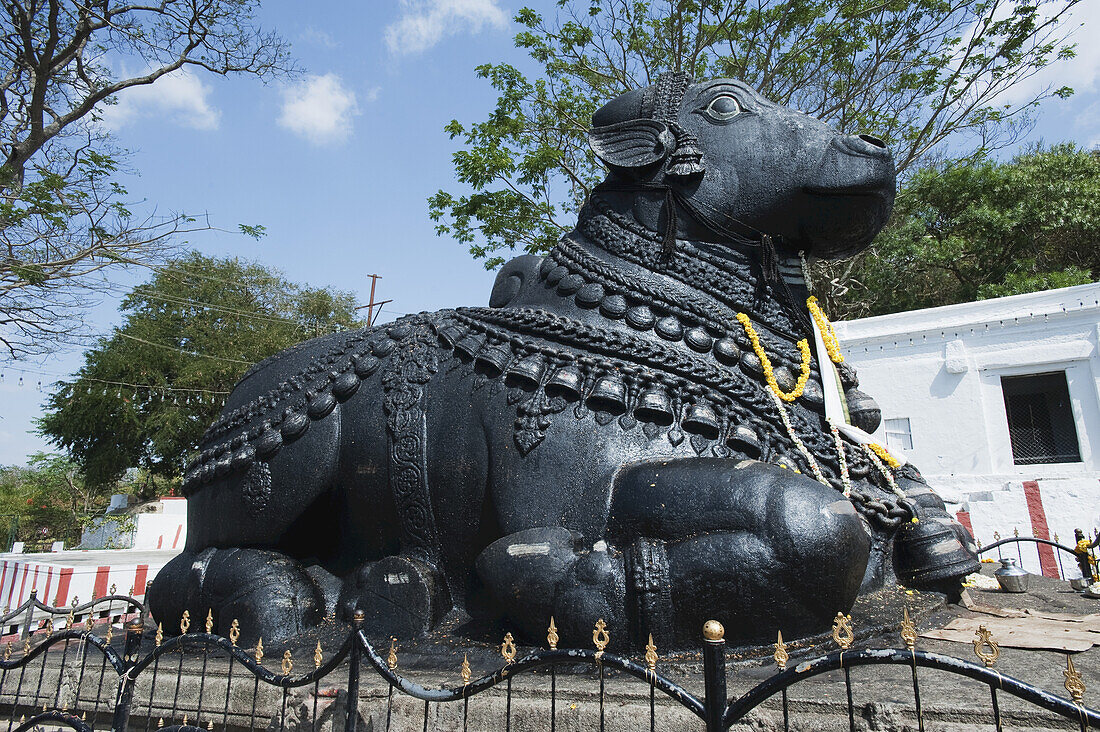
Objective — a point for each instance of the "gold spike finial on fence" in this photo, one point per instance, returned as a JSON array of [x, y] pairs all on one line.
[[552, 635], [83, 716], [508, 648], [465, 671], [600, 637], [391, 659], [996, 536], [651, 655], [160, 634], [75, 602], [34, 593], [110, 632], [781, 656], [1075, 685], [160, 722], [70, 620], [113, 589], [49, 626], [22, 718], [985, 640], [209, 621], [259, 654], [210, 724], [185, 720], [89, 621], [7, 609], [7, 651], [185, 622], [288, 663], [26, 646], [842, 631], [132, 591], [908, 631], [1016, 531], [234, 631], [317, 656]]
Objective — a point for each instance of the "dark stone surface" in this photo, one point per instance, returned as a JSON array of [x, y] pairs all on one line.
[[599, 442]]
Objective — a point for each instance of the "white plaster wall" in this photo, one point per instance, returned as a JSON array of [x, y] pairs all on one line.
[[942, 368]]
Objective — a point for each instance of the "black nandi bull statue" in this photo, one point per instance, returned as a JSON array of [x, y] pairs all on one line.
[[607, 439]]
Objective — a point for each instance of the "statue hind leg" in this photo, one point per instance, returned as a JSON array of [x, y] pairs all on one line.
[[269, 594]]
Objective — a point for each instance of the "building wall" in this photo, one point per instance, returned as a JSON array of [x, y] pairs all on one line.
[[941, 368]]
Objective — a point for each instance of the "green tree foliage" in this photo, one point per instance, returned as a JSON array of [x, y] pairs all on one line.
[[64, 218], [46, 501], [925, 75], [145, 395], [969, 232]]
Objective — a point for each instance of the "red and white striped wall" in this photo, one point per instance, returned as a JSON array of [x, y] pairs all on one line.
[[1042, 508], [62, 577]]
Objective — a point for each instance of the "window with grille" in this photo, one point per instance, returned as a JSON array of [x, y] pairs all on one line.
[[1040, 420], [899, 436]]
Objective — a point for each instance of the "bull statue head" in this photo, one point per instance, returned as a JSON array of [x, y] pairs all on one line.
[[741, 164]]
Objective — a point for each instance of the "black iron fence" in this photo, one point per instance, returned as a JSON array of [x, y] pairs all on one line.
[[1083, 555], [87, 676]]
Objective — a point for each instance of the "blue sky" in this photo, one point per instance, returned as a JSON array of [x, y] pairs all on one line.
[[338, 164]]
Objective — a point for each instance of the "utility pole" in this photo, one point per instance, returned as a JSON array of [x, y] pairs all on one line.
[[372, 316]]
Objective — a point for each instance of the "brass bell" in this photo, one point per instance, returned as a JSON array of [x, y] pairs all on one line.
[[566, 382], [493, 360], [744, 439], [470, 345], [702, 420], [654, 406], [608, 395], [525, 373]]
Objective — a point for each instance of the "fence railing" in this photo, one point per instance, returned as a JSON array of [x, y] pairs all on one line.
[[1084, 557], [87, 677]]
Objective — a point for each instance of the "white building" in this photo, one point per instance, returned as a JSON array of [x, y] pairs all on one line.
[[998, 404]]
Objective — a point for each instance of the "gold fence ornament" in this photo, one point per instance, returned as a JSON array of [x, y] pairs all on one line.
[[508, 648], [185, 720], [84, 717], [185, 622], [7, 651], [781, 655], [110, 632], [908, 631], [113, 589], [317, 656], [259, 654], [26, 646], [391, 660], [160, 634], [1075, 685], [287, 664], [210, 724], [842, 631], [234, 631], [132, 591], [70, 620], [89, 621], [49, 626], [465, 672], [209, 621], [996, 536], [651, 655], [552, 635], [984, 639], [160, 722], [600, 637]]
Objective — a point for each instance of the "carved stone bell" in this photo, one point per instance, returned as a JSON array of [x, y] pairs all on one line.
[[526, 373], [654, 406], [608, 395], [566, 382], [470, 345], [864, 411], [493, 360], [701, 420], [744, 439]]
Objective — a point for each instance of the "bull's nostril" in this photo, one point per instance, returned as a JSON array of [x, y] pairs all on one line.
[[872, 141]]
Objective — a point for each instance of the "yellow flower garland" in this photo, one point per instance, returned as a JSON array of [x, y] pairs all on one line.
[[828, 333], [765, 362], [884, 455]]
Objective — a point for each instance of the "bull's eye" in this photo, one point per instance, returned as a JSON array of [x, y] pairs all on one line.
[[722, 108]]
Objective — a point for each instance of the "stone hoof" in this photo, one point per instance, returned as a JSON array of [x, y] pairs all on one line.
[[541, 573], [398, 596], [268, 593]]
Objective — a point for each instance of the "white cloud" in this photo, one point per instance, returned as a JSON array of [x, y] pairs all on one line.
[[181, 97], [424, 23], [1081, 73], [320, 109], [319, 37]]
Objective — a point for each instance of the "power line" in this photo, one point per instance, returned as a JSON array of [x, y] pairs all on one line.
[[181, 350], [110, 382]]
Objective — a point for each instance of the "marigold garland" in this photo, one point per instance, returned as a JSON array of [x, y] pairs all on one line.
[[885, 455], [828, 333], [766, 364]]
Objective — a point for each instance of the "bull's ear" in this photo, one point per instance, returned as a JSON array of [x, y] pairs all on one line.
[[632, 144]]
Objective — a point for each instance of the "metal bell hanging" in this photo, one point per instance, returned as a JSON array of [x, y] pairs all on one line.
[[470, 345], [493, 360], [654, 406], [744, 439]]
